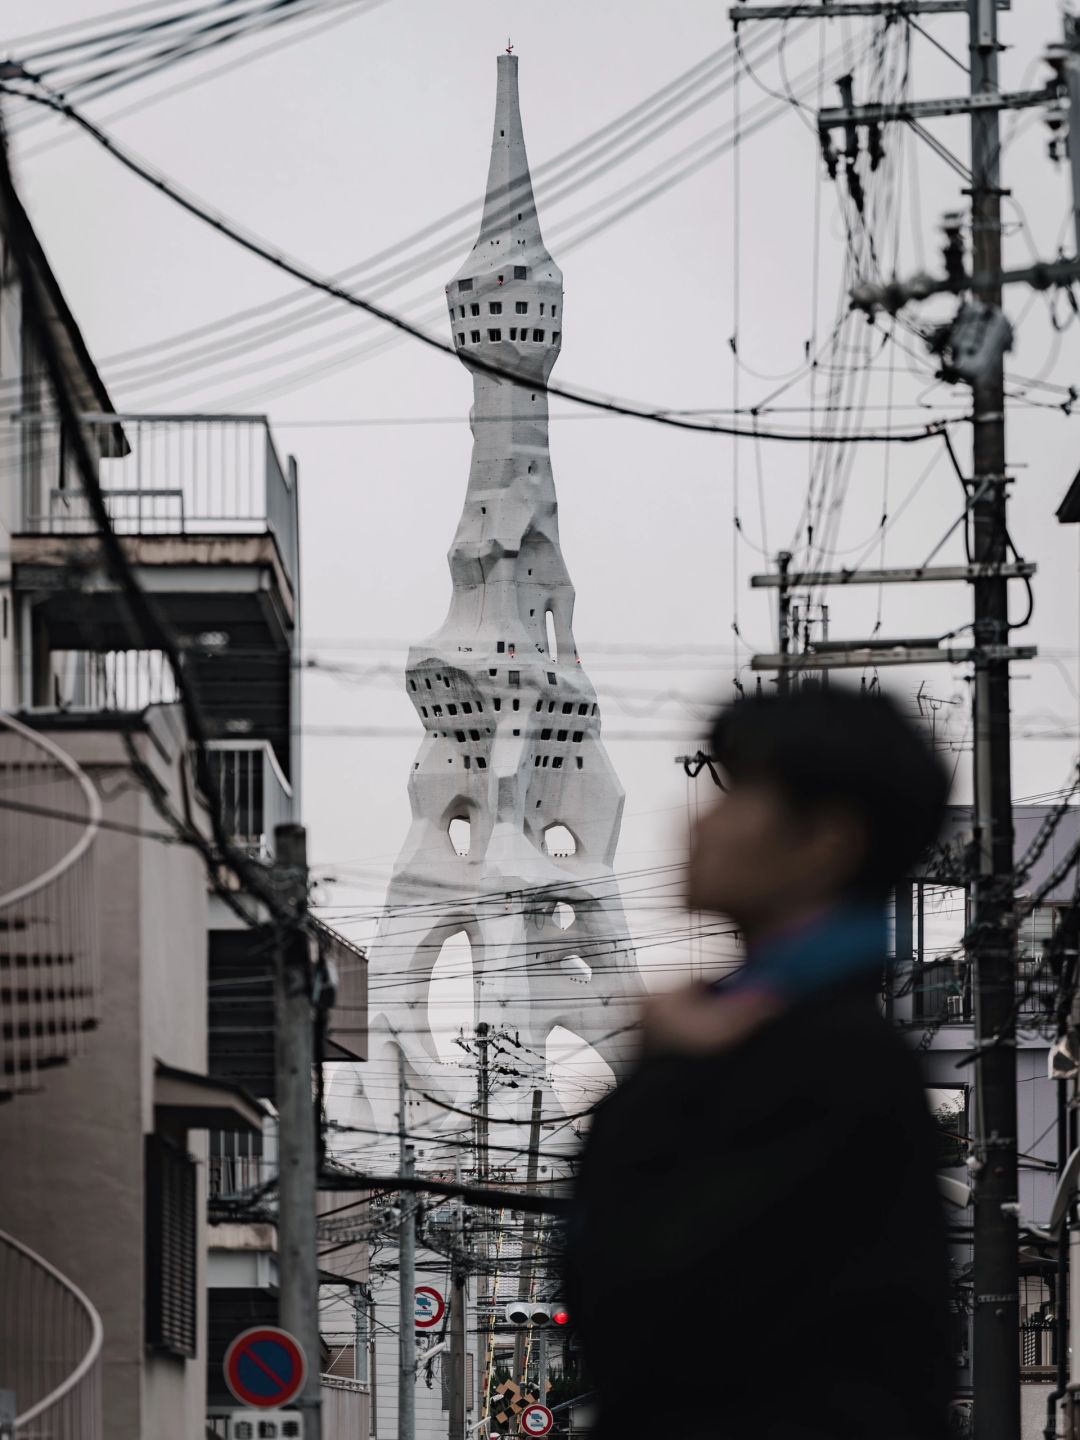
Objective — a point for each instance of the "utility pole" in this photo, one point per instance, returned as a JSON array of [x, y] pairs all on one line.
[[996, 1374], [528, 1236], [483, 1040], [406, 1277], [294, 1059], [783, 619], [456, 1387]]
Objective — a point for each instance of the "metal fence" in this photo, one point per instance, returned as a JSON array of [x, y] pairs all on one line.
[[49, 989], [252, 792], [50, 1349], [181, 475]]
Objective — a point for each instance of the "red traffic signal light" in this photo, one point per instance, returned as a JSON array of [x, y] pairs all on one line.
[[560, 1317]]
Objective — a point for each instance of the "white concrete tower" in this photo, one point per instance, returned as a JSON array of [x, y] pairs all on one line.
[[516, 808]]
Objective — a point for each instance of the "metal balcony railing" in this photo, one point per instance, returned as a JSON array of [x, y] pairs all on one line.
[[49, 818], [50, 1349], [182, 475], [252, 791]]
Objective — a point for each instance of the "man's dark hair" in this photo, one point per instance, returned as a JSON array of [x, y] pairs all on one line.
[[833, 748]]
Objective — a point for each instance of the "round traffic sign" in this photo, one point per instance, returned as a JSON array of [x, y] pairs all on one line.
[[536, 1420], [265, 1367], [430, 1307]]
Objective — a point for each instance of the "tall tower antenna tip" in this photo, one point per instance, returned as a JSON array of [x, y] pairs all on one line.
[[509, 46]]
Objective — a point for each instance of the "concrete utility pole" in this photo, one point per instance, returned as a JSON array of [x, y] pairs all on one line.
[[783, 619], [483, 1040], [528, 1234], [294, 1059], [406, 1277], [996, 1373], [456, 1386]]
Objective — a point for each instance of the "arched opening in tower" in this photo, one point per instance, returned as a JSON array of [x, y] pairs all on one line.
[[450, 1002], [559, 841], [460, 832], [552, 638], [579, 1073]]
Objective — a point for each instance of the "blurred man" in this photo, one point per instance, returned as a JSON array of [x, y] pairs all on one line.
[[756, 1248]]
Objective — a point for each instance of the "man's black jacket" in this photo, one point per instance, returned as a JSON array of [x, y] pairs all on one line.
[[757, 1247]]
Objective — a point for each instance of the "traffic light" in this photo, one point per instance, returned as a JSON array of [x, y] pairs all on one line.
[[527, 1312]]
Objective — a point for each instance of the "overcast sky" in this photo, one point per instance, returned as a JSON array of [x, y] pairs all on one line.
[[345, 140]]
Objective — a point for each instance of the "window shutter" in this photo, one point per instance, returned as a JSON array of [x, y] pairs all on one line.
[[171, 1265]]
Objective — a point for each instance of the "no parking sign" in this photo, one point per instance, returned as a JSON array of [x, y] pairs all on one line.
[[265, 1367]]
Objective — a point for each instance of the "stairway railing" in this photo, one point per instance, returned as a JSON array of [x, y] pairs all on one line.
[[50, 814], [50, 1348]]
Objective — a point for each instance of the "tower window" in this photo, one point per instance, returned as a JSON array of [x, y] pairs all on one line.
[[474, 734], [538, 335], [494, 334], [466, 708], [561, 735], [423, 711], [464, 284], [580, 763], [427, 683], [437, 710], [551, 678], [536, 763], [539, 704], [521, 307], [551, 707], [556, 763], [500, 646], [462, 309], [451, 709], [554, 311], [481, 763], [544, 762], [498, 702], [520, 271], [517, 732], [555, 336], [579, 735], [583, 709], [495, 672], [494, 307], [474, 309], [545, 734], [513, 332], [541, 307], [516, 704], [513, 678], [461, 337], [459, 735], [474, 336], [468, 764], [568, 709]]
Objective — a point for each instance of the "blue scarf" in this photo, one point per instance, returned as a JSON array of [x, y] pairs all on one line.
[[841, 944]]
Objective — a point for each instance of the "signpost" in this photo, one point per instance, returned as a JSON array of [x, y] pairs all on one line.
[[265, 1368], [536, 1420], [430, 1308]]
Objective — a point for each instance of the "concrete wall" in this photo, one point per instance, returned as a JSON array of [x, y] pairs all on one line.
[[75, 1150]]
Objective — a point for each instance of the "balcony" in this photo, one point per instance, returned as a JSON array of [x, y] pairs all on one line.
[[252, 792], [177, 475]]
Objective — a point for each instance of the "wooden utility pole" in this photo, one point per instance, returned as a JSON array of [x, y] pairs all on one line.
[[294, 1056]]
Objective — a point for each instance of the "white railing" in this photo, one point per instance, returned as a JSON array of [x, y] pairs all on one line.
[[179, 475], [50, 1348], [252, 792], [50, 814]]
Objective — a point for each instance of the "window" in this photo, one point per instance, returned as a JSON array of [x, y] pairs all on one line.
[[436, 710], [493, 672], [513, 332], [494, 307], [545, 734], [541, 307], [561, 735], [521, 307], [583, 709], [461, 337], [498, 703], [578, 736], [556, 763], [568, 709], [517, 732], [474, 734], [464, 284], [543, 762], [949, 1109], [551, 679], [580, 763], [481, 763], [555, 336], [552, 638], [462, 310], [412, 684], [423, 711], [494, 334], [459, 736], [551, 705], [474, 336], [474, 309], [500, 646], [520, 271], [516, 704], [514, 678], [536, 762], [538, 335], [171, 1264], [554, 311], [466, 708], [451, 709]]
